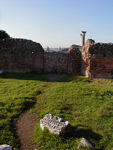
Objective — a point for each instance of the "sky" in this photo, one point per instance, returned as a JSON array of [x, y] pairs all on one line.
[[57, 23]]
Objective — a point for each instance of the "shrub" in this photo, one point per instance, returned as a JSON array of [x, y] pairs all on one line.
[[3, 35]]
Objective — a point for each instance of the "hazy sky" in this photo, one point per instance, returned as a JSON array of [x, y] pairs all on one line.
[[57, 23]]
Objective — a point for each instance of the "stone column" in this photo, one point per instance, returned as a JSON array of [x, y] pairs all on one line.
[[83, 37]]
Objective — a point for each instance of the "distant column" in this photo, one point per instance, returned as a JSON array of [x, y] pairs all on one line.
[[83, 37]]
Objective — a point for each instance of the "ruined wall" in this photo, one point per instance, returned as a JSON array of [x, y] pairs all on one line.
[[55, 62], [93, 60], [97, 60], [18, 55], [63, 62], [74, 59]]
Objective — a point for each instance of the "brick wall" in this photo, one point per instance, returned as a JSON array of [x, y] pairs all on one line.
[[97, 60], [93, 60], [74, 59], [18, 55], [55, 62]]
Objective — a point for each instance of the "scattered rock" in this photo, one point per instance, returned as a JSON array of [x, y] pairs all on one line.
[[54, 124], [5, 147], [84, 143]]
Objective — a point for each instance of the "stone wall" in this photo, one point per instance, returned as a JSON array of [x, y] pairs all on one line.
[[97, 60], [55, 62], [18, 55], [93, 60], [63, 62], [74, 59]]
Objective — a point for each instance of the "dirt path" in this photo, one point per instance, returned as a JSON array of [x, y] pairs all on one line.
[[25, 130], [27, 122]]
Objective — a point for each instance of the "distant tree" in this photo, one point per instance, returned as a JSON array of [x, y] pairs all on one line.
[[3, 35]]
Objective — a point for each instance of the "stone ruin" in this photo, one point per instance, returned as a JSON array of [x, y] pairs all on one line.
[[94, 60], [20, 55], [97, 60], [74, 59], [54, 124]]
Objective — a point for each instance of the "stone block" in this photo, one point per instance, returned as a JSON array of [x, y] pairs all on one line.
[[5, 147], [84, 143], [54, 124]]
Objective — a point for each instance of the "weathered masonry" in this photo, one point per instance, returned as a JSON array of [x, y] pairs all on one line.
[[63, 62], [94, 60], [20, 55], [97, 60]]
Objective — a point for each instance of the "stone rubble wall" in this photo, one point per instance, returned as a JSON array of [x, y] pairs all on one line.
[[63, 62], [97, 60], [93, 60], [20, 55], [74, 59], [55, 62]]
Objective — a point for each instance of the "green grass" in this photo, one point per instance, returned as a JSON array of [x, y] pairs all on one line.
[[83, 102], [17, 94]]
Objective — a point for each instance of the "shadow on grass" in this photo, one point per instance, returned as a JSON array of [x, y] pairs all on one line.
[[79, 132], [50, 77]]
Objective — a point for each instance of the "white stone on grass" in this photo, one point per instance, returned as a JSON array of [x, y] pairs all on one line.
[[5, 147], [84, 143], [54, 124]]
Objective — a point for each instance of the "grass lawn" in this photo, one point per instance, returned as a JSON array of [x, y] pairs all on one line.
[[17, 94], [83, 102]]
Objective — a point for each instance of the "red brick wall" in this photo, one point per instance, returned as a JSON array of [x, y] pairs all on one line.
[[97, 60]]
